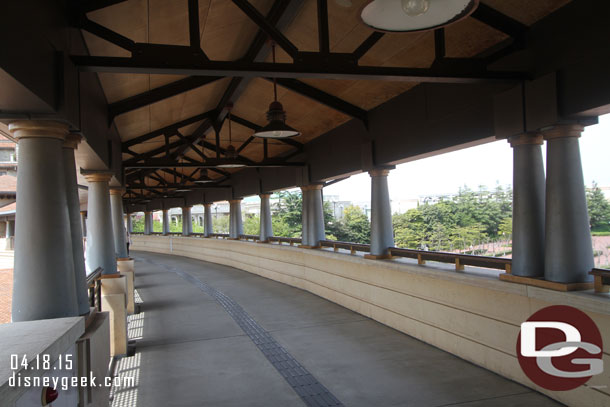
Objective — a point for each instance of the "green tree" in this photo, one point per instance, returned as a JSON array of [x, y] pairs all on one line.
[[353, 227], [599, 209], [252, 225]]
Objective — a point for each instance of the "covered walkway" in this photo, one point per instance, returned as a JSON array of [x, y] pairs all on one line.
[[211, 335]]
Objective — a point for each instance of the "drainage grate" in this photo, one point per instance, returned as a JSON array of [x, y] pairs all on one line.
[[312, 392]]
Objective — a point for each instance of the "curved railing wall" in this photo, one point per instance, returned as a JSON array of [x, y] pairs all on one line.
[[468, 314]]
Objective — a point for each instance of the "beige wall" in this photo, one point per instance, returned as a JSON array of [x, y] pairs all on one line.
[[476, 318]]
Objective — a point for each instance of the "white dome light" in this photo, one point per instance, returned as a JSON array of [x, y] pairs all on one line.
[[415, 15]]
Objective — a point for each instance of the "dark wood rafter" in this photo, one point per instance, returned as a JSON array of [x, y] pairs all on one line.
[[367, 45], [88, 6], [310, 65], [170, 59], [106, 34], [210, 163], [323, 34], [158, 94], [439, 44], [322, 97], [267, 26], [166, 130], [234, 89], [499, 21]]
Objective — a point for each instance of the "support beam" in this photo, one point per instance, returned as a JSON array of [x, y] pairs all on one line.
[[118, 228], [236, 228], [43, 279], [165, 222], [76, 231], [268, 27], [156, 95], [187, 221], [208, 225], [323, 40], [322, 97], [166, 130], [266, 226], [340, 67], [568, 256], [367, 44], [499, 21], [528, 206], [100, 241], [382, 234]]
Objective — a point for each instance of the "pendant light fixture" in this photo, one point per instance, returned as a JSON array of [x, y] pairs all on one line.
[[276, 115], [204, 178], [231, 160], [415, 15]]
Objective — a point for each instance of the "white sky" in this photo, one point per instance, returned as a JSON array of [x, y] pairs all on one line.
[[487, 165]]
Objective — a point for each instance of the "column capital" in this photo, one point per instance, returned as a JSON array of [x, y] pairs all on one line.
[[117, 190], [38, 129], [97, 176], [72, 141], [207, 204], [265, 195], [381, 171], [238, 200], [563, 131], [186, 207], [311, 187], [533, 138], [165, 210]]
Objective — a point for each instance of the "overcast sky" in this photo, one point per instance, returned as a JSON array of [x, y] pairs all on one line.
[[487, 165]]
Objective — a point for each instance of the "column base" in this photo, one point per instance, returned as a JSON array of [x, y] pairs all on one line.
[[378, 256], [602, 281], [233, 238], [550, 285], [114, 301]]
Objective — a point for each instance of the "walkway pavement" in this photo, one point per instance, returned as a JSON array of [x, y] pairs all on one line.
[[210, 335]]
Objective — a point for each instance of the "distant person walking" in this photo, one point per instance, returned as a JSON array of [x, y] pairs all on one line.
[[128, 241]]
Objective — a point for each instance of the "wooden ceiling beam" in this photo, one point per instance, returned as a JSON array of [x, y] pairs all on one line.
[[157, 94], [322, 97], [340, 66], [267, 26], [499, 21]]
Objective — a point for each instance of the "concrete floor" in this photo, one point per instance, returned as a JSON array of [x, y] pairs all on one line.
[[190, 352]]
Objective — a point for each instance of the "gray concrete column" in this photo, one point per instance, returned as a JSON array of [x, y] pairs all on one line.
[[118, 228], [83, 221], [129, 222], [100, 239], [43, 277], [236, 227], [382, 233], [208, 224], [568, 255], [147, 222], [528, 206], [165, 222], [76, 233], [315, 227], [187, 221], [266, 226], [10, 228], [304, 216]]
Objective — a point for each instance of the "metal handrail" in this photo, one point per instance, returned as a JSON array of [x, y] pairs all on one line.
[[291, 240], [352, 247], [94, 287]]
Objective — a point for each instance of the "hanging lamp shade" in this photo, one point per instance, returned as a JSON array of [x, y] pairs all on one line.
[[415, 15], [204, 178], [277, 127]]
